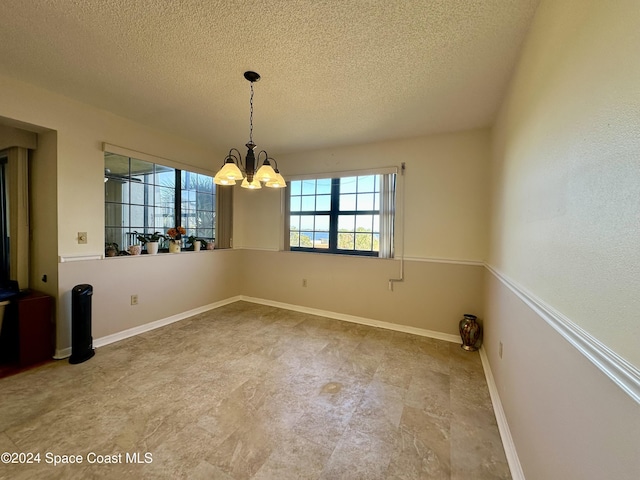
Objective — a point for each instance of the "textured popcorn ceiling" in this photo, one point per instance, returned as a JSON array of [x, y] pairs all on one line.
[[333, 72]]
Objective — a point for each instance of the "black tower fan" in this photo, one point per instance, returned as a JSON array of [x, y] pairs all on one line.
[[81, 340]]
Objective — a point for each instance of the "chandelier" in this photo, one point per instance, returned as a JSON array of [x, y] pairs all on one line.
[[234, 169]]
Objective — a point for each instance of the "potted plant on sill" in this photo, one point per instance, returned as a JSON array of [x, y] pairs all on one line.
[[175, 239], [196, 243], [111, 249], [150, 240]]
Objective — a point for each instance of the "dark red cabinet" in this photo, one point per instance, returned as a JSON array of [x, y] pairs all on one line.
[[35, 328]]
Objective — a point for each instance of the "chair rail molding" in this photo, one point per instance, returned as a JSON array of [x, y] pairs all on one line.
[[623, 373]]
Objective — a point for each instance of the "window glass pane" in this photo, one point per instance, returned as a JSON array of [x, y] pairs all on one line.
[[165, 176], [115, 165], [116, 190], [306, 222], [363, 241], [115, 235], [366, 184], [188, 180], [376, 223], [205, 183], [294, 239], [165, 197], [295, 187], [116, 214], [376, 202], [322, 223], [294, 222], [346, 223], [323, 203], [188, 220], [321, 240], [364, 223], [204, 201], [141, 171], [126, 192], [376, 243], [165, 218], [306, 239], [347, 202], [295, 204], [188, 198], [206, 233], [365, 201], [192, 180], [348, 184], [149, 213], [323, 186], [308, 203], [308, 187], [204, 220], [345, 241], [137, 193], [137, 216]]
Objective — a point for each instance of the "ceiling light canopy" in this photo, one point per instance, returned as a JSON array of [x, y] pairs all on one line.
[[234, 169]]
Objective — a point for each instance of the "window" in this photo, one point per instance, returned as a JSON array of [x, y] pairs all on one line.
[[198, 204], [347, 215], [146, 197]]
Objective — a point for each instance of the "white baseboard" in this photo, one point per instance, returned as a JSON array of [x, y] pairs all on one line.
[[354, 319], [131, 332], [62, 353], [501, 418]]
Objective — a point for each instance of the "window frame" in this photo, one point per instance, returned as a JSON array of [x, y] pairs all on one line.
[[127, 235], [334, 213]]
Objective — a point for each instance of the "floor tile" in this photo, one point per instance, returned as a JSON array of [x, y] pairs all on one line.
[[257, 392]]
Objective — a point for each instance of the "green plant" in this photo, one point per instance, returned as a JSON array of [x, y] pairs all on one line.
[[191, 240], [111, 249], [145, 238]]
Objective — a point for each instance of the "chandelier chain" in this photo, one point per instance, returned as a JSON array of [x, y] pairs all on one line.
[[251, 115]]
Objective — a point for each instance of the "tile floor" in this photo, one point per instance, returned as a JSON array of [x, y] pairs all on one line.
[[249, 391]]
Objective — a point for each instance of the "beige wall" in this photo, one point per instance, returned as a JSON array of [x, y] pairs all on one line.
[[434, 296], [43, 215], [446, 193], [80, 167], [567, 419], [446, 198], [567, 170], [565, 230], [71, 186], [166, 285]]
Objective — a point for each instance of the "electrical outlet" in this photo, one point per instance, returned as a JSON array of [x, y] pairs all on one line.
[[134, 299], [304, 282], [82, 237], [500, 350]]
